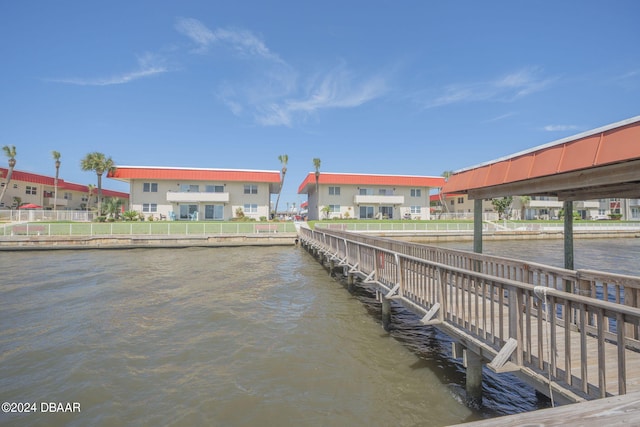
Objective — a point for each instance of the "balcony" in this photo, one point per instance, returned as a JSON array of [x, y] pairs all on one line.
[[589, 204], [545, 204], [378, 200], [196, 197], [49, 201]]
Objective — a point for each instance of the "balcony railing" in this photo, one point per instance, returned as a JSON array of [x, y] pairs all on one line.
[[196, 197], [378, 200]]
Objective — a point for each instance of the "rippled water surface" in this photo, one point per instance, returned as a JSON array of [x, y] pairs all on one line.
[[224, 337]]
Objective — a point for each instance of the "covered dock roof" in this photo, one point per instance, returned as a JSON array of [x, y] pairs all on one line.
[[600, 163]]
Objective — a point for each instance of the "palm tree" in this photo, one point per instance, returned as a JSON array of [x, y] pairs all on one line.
[[443, 202], [284, 159], [91, 189], [316, 164], [10, 152], [112, 207], [524, 201], [99, 163], [56, 157]]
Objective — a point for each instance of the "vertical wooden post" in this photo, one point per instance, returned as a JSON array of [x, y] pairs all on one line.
[[351, 282], [332, 267], [477, 226], [473, 385], [568, 239], [386, 312]]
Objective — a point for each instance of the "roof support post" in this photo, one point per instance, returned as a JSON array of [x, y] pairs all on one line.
[[568, 239], [477, 226]]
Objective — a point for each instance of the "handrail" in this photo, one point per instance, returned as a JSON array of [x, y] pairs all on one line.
[[473, 302]]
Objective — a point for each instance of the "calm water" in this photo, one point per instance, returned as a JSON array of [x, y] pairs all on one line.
[[227, 337]]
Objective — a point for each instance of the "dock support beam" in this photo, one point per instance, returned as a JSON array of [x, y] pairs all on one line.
[[477, 226], [351, 280], [386, 312], [473, 363], [568, 239]]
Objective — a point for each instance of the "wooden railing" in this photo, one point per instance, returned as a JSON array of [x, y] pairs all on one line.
[[513, 312]]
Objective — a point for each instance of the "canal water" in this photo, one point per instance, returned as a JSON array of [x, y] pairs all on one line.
[[251, 336]]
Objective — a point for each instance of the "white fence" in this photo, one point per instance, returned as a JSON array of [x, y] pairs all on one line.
[[32, 215], [487, 226]]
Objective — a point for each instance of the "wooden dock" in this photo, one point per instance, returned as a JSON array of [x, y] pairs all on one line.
[[572, 335]]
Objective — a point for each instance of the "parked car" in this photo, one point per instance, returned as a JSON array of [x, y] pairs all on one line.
[[600, 217]]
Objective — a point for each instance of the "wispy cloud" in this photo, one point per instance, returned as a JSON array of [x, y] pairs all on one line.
[[273, 94], [559, 128], [241, 41], [506, 88], [500, 117], [336, 89], [148, 65]]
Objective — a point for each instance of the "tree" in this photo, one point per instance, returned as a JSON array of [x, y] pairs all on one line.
[[112, 207], [316, 165], [99, 163], [10, 152], [56, 157], [91, 190], [502, 206], [443, 202], [284, 159], [524, 201]]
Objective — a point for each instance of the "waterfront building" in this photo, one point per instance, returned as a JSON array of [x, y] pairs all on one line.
[[459, 206], [39, 190], [368, 196], [199, 193]]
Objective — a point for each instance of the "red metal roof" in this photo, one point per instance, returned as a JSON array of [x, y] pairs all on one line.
[[328, 178], [50, 181], [619, 142], [127, 173]]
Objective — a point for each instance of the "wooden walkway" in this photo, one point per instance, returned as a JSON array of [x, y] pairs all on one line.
[[572, 335]]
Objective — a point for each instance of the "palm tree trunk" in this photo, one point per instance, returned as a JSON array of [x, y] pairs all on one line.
[[6, 185]]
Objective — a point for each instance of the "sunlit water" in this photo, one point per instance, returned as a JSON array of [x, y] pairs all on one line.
[[247, 336]]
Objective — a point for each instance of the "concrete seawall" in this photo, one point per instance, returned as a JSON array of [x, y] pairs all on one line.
[[144, 241], [13, 243]]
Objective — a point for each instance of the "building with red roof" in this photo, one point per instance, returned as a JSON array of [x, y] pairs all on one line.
[[199, 193], [27, 187], [350, 195]]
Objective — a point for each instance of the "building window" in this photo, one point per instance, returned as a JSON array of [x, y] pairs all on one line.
[[416, 209], [190, 188], [385, 192], [149, 207], [460, 200], [68, 196], [31, 190], [334, 191], [334, 208], [250, 189], [251, 208], [215, 212], [150, 187], [214, 189], [416, 192], [365, 192], [452, 202], [366, 212]]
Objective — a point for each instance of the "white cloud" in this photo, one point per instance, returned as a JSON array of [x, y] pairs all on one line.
[[148, 65], [506, 88], [336, 89], [557, 128], [241, 41]]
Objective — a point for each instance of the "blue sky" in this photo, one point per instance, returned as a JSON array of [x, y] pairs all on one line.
[[391, 87]]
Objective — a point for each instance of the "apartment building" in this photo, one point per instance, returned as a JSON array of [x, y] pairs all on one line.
[[368, 196], [199, 193], [27, 187]]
